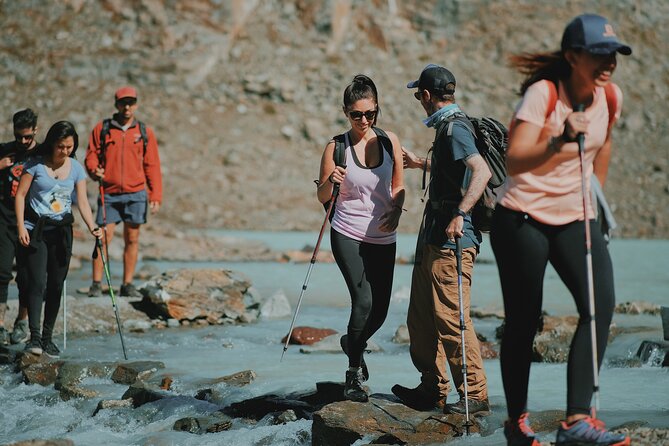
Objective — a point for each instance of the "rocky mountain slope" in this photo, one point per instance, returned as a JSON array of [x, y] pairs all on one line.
[[244, 94]]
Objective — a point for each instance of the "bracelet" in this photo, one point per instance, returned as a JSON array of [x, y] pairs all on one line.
[[459, 212], [553, 144]]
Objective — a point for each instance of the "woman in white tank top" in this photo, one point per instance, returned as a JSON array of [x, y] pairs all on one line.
[[366, 215]]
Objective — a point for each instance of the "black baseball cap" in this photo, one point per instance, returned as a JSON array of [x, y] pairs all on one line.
[[593, 33], [434, 78]]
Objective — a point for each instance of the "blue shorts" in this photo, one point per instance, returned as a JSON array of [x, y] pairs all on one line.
[[129, 208]]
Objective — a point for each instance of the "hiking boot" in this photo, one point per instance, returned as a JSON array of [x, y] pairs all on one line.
[[480, 407], [129, 290], [4, 336], [21, 332], [353, 390], [588, 431], [519, 432], [418, 399], [34, 346], [343, 341], [95, 290], [50, 349]]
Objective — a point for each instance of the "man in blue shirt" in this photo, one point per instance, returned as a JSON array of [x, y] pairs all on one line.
[[458, 177]]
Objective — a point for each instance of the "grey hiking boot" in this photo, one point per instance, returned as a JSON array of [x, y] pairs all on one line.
[[4, 336], [129, 290], [95, 290], [34, 346], [353, 390], [480, 407], [343, 341], [21, 332], [50, 349]]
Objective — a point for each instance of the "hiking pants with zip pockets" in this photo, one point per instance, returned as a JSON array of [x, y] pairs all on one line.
[[433, 321], [523, 247]]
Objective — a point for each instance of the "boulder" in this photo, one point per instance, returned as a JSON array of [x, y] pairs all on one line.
[[637, 308], [70, 374], [383, 421], [113, 404], [401, 335], [141, 393], [276, 306], [43, 373], [308, 335], [217, 295], [69, 392], [215, 422], [130, 372]]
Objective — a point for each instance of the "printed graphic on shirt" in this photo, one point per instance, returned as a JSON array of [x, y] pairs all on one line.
[[55, 201]]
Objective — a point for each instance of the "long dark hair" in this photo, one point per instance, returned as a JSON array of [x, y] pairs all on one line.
[[537, 66], [362, 87], [58, 131]]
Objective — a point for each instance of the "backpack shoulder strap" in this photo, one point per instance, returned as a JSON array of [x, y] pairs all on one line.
[[385, 141], [552, 98], [339, 154], [611, 101], [142, 131]]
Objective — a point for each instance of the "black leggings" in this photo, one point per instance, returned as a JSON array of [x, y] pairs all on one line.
[[9, 243], [46, 263], [368, 270], [522, 248]]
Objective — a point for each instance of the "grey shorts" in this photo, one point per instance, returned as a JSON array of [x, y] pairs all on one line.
[[129, 208]]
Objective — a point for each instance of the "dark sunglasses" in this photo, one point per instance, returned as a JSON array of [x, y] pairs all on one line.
[[29, 137], [126, 101], [357, 115]]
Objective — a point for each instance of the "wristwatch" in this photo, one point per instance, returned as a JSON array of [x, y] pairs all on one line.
[[459, 212]]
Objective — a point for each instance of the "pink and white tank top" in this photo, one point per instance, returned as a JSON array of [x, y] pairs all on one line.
[[364, 196]]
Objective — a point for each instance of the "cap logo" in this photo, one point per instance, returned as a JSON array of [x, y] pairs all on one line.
[[608, 31]]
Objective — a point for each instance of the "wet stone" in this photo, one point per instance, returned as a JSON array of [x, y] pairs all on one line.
[[113, 404], [43, 373], [135, 371], [216, 422], [142, 394]]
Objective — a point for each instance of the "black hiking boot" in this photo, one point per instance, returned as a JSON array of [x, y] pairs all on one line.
[[34, 346], [418, 398], [353, 390], [129, 290], [476, 407], [50, 349], [519, 433], [95, 290], [343, 341]]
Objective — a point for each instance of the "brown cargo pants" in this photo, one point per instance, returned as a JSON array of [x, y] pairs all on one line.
[[433, 321]]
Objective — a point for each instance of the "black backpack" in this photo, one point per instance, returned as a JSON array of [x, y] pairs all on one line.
[[339, 154], [106, 123], [492, 139]]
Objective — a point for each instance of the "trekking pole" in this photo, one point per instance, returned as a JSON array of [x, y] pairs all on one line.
[[335, 192], [64, 314], [458, 260], [105, 265], [588, 265]]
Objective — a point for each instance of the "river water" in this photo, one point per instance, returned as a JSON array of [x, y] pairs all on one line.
[[190, 355]]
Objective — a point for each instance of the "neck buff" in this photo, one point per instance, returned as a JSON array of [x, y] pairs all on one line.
[[441, 114]]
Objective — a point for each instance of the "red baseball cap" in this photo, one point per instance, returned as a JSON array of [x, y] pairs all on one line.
[[125, 92]]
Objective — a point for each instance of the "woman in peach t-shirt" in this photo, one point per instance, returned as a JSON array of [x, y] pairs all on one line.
[[540, 218]]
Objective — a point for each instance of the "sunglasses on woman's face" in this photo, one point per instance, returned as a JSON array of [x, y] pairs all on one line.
[[357, 115]]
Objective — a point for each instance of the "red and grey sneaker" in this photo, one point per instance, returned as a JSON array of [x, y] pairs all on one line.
[[588, 431], [519, 433]]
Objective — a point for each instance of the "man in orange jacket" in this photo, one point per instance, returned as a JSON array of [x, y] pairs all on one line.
[[123, 156]]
